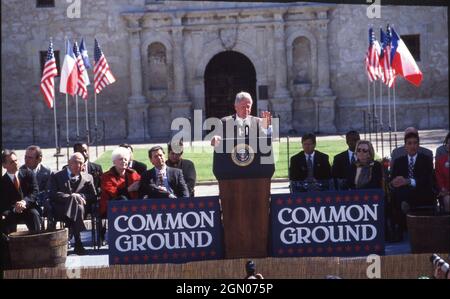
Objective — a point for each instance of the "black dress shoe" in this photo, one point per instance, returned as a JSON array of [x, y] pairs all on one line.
[[79, 250]]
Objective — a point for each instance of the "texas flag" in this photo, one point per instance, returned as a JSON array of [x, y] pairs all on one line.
[[69, 72], [402, 61]]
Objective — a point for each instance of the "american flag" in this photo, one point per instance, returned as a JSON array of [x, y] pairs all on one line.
[[102, 73], [48, 77], [81, 85], [385, 58], [372, 58]]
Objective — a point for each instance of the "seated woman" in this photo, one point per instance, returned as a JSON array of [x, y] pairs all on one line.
[[119, 182], [443, 175], [365, 173]]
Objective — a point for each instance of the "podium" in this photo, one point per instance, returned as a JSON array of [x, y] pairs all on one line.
[[244, 173]]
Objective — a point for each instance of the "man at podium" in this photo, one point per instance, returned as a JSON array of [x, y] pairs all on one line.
[[243, 171], [242, 122]]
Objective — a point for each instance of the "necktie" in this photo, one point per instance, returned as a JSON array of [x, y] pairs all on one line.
[[16, 183], [160, 179], [353, 158], [310, 167], [411, 168]]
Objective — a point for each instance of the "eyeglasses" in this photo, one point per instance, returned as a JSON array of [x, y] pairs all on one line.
[[359, 150]]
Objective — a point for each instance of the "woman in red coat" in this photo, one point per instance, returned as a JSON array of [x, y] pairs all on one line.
[[443, 175], [119, 182]]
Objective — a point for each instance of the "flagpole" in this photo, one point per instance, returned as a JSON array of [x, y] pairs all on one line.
[[76, 112], [67, 116], [54, 117], [96, 123], [395, 116], [87, 120], [368, 106]]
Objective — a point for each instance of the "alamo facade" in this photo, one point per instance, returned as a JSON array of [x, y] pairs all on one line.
[[302, 61]]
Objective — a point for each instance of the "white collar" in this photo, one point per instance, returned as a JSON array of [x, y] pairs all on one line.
[[350, 155], [243, 120], [163, 170], [36, 170], [11, 175], [312, 155], [413, 158]]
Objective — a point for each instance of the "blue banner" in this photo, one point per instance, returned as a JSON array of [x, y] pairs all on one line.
[[327, 223], [164, 230]]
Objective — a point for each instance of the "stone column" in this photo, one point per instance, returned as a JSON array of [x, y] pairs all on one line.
[[137, 104], [280, 58], [324, 100], [323, 65], [282, 101], [178, 61], [180, 104]]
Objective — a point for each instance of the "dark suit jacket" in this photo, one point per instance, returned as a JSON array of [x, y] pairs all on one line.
[[60, 190], [341, 165], [96, 171], [149, 184], [375, 181], [42, 177], [423, 175], [139, 167], [10, 195], [189, 173], [298, 171]]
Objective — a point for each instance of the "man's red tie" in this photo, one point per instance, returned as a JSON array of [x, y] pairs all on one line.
[[16, 183]]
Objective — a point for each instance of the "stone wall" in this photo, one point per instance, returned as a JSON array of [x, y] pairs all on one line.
[[26, 30], [311, 57], [424, 107]]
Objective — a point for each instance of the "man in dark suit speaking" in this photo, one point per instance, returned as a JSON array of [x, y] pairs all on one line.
[[162, 181]]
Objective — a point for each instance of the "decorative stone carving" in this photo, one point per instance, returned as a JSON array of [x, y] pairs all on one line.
[[228, 37]]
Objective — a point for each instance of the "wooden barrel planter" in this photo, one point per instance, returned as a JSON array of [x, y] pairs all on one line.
[[428, 233], [45, 249]]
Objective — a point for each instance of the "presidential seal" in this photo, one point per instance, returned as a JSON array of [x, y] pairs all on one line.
[[242, 154]]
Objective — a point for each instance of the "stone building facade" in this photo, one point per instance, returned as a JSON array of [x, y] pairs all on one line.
[[302, 61]]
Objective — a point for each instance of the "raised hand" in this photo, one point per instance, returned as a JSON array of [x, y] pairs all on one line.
[[266, 119]]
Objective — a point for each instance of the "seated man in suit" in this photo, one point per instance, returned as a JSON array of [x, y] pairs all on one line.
[[310, 165], [343, 161], [401, 150], [33, 162], [176, 161], [133, 164], [242, 122], [411, 181], [19, 190], [162, 181], [89, 167], [70, 189]]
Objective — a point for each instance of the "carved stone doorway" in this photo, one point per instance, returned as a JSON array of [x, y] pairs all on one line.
[[226, 74]]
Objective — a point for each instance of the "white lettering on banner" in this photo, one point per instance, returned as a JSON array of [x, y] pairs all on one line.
[[353, 213], [164, 221], [322, 234], [158, 241]]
